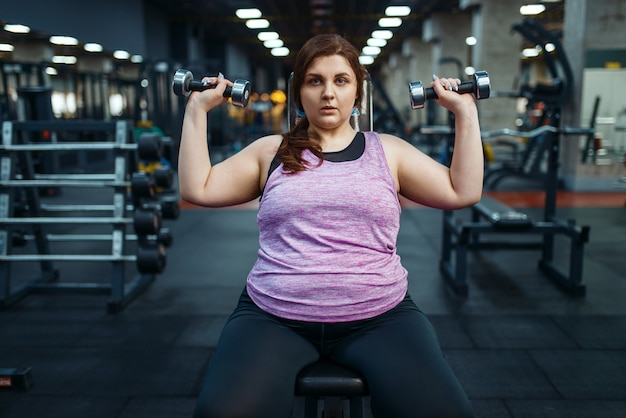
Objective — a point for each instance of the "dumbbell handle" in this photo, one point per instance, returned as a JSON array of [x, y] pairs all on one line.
[[196, 85], [464, 87]]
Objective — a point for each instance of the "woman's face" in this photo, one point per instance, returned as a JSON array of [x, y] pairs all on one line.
[[329, 92]]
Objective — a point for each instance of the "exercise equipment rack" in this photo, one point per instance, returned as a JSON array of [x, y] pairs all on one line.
[[18, 177]]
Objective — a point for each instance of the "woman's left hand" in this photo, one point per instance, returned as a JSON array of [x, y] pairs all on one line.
[[447, 91]]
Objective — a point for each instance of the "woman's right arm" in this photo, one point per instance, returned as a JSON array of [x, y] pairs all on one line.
[[235, 180]]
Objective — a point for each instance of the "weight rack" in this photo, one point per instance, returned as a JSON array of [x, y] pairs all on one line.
[[17, 173]]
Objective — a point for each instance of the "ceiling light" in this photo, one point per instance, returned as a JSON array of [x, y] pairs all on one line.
[[6, 48], [161, 67], [532, 9], [382, 34], [371, 50], [280, 52], [530, 52], [377, 42], [366, 59], [397, 11], [470, 40], [248, 13], [51, 71], [273, 43], [93, 47], [258, 23], [16, 28], [63, 40], [121, 54], [549, 47], [136, 59], [389, 22], [64, 59], [267, 36]]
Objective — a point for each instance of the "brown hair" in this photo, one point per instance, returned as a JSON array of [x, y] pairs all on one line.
[[297, 139]]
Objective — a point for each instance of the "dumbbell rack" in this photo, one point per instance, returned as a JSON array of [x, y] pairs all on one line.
[[17, 172]]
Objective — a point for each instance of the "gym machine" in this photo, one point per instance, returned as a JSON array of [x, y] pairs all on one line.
[[543, 100], [490, 217], [17, 174]]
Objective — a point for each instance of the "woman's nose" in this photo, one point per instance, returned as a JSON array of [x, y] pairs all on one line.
[[328, 90]]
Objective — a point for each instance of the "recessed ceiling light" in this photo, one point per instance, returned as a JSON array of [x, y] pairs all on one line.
[[371, 50], [258, 23], [267, 36], [532, 9], [366, 59], [248, 13], [16, 28], [64, 59], [280, 52], [121, 54], [63, 40], [389, 22], [379, 42], [93, 47], [382, 34], [273, 43], [397, 11]]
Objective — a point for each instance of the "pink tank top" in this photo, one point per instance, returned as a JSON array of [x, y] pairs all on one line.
[[327, 240]]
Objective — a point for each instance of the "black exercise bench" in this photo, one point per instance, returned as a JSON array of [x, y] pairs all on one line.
[[490, 216], [500, 215]]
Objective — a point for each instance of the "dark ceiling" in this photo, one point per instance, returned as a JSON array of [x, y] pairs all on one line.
[[298, 20]]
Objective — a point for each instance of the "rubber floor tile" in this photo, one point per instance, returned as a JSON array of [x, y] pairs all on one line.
[[516, 332], [566, 409], [596, 332], [576, 374], [63, 407], [499, 374]]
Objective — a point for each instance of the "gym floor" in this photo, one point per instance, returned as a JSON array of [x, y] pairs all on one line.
[[520, 346]]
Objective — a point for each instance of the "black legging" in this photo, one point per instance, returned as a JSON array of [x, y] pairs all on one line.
[[253, 370]]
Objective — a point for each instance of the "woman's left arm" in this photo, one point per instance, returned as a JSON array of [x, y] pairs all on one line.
[[428, 182]]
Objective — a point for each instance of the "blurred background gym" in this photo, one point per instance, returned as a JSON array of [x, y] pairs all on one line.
[[113, 291]]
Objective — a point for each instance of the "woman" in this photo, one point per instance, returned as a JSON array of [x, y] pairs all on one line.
[[327, 280]]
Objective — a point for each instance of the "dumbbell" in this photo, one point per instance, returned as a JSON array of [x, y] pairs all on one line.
[[479, 85], [184, 84]]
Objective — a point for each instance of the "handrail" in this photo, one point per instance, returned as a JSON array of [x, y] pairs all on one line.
[[444, 129], [537, 131]]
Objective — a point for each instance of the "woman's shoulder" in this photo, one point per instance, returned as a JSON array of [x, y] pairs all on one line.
[[265, 145], [387, 140], [273, 140], [396, 148]]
